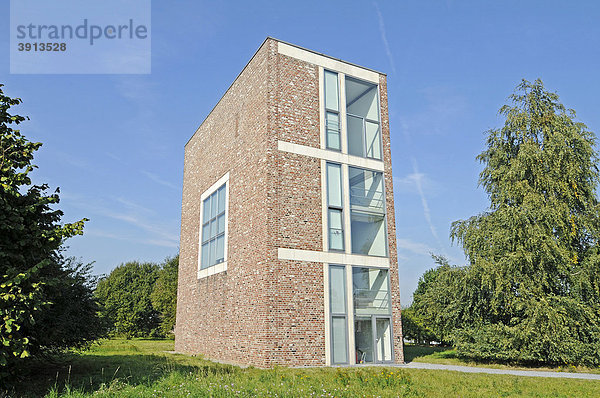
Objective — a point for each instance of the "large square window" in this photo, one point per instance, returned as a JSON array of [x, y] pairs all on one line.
[[212, 249]]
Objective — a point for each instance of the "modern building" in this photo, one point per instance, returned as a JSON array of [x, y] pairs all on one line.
[[288, 240]]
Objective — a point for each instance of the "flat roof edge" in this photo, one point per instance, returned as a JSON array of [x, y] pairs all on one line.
[[252, 58], [327, 56]]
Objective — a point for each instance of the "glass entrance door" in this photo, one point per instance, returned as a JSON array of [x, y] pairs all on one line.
[[383, 339], [373, 339]]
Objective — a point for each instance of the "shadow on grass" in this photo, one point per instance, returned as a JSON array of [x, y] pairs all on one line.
[[412, 351], [88, 373]]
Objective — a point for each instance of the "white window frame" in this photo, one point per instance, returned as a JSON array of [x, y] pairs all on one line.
[[220, 267]]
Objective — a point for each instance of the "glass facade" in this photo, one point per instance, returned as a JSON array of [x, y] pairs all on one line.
[[362, 112], [372, 315], [367, 212], [356, 223]]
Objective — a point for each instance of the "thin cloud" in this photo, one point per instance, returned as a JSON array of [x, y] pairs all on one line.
[[384, 38], [426, 210], [414, 247], [151, 242], [159, 180], [140, 223], [409, 182], [133, 206]]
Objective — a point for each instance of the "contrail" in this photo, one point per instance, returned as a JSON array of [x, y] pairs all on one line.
[[384, 38]]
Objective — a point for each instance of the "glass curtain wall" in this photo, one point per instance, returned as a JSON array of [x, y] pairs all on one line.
[[372, 315], [362, 112], [367, 212]]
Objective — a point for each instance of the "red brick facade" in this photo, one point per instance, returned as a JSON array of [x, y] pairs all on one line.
[[262, 310]]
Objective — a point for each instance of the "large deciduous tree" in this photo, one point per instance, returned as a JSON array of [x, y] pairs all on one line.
[[32, 276], [534, 258], [164, 295], [125, 295]]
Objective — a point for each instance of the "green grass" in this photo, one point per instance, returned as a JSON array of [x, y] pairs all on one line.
[[142, 368], [449, 356]]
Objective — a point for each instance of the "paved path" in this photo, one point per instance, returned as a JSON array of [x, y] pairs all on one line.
[[473, 369]]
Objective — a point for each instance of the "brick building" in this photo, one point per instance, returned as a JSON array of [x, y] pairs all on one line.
[[288, 240]]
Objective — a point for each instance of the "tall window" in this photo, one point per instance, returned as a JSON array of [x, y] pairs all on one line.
[[335, 209], [337, 299], [332, 111], [367, 212], [362, 110], [372, 315], [213, 228]]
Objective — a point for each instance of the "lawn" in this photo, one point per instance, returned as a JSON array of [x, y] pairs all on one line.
[[143, 368], [449, 356]]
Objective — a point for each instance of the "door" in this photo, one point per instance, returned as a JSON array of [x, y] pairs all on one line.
[[373, 339]]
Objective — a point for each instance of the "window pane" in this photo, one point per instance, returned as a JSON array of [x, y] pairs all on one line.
[[206, 210], [221, 224], [213, 205], [220, 251], [211, 252], [361, 99], [331, 91], [339, 346], [205, 232], [336, 231], [334, 184], [332, 125], [370, 290], [204, 262], [368, 234], [383, 339], [337, 289], [366, 190], [221, 200], [355, 136], [363, 339], [213, 228], [373, 139]]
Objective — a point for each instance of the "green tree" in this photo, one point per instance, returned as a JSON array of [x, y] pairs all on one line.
[[72, 321], [30, 240], [164, 294], [534, 255], [443, 300], [125, 297], [415, 328]]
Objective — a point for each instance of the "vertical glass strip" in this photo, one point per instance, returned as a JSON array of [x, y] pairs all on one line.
[[339, 344], [334, 184], [331, 91], [332, 127], [337, 289]]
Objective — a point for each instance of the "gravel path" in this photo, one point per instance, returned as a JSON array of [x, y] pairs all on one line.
[[473, 369]]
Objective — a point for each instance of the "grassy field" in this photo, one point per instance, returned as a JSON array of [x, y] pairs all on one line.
[[142, 368], [449, 356]]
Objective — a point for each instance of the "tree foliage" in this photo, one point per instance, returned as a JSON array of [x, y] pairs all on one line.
[[533, 279], [164, 295], [125, 295], [31, 236]]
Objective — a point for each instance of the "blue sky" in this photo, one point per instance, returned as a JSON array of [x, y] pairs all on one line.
[[114, 143]]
